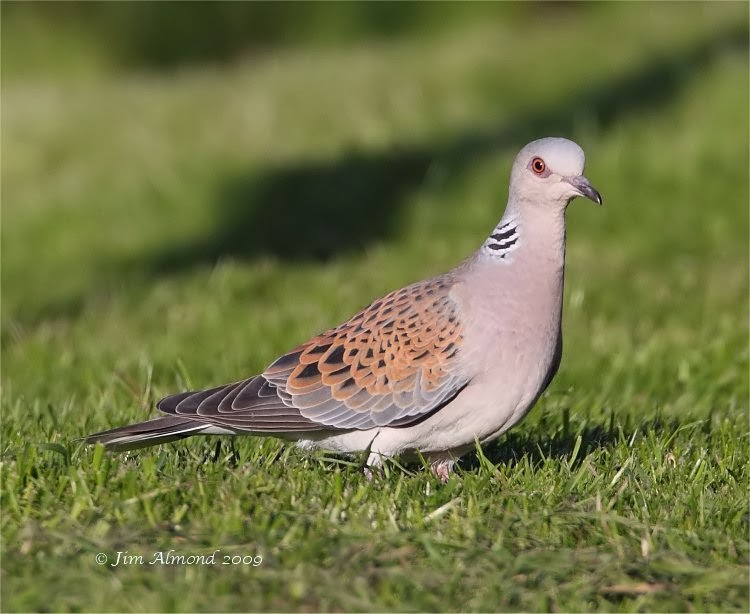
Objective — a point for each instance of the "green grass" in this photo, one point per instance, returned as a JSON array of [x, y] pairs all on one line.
[[166, 231]]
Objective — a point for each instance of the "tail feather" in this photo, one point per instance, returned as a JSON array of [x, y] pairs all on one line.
[[149, 433]]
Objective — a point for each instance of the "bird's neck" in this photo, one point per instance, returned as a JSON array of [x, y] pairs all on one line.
[[531, 231]]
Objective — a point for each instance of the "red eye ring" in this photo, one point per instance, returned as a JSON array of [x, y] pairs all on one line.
[[538, 166]]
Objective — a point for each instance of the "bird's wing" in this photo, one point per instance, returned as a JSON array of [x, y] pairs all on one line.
[[390, 365], [250, 405]]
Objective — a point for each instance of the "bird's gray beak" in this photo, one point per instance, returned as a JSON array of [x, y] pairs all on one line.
[[584, 187]]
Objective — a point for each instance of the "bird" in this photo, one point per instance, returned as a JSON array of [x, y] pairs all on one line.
[[428, 370]]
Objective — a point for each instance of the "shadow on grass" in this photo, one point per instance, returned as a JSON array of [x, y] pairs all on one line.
[[516, 446], [316, 210]]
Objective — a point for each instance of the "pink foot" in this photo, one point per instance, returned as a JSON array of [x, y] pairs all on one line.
[[442, 469]]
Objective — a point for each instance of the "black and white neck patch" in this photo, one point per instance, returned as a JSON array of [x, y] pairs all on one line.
[[503, 240]]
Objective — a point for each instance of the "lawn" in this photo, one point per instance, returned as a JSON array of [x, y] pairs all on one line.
[[166, 230]]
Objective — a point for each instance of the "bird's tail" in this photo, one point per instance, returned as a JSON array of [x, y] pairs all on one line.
[[149, 433]]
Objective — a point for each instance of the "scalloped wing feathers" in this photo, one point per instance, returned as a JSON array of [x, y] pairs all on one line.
[[393, 363]]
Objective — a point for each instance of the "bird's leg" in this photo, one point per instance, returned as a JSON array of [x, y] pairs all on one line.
[[442, 468], [374, 465]]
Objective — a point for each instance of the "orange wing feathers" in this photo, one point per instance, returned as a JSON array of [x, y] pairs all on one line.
[[394, 359], [390, 365]]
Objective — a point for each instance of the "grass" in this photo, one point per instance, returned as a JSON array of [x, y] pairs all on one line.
[[170, 231]]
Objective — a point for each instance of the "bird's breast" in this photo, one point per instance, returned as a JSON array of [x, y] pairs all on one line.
[[511, 340]]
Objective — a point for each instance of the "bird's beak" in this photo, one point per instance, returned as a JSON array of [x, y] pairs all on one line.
[[584, 188]]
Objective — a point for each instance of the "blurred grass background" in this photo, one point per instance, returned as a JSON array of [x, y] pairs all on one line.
[[190, 189], [94, 38]]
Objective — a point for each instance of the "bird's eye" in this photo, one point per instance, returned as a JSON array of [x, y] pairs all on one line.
[[538, 166]]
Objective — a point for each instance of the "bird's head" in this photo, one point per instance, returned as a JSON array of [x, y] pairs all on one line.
[[549, 172]]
